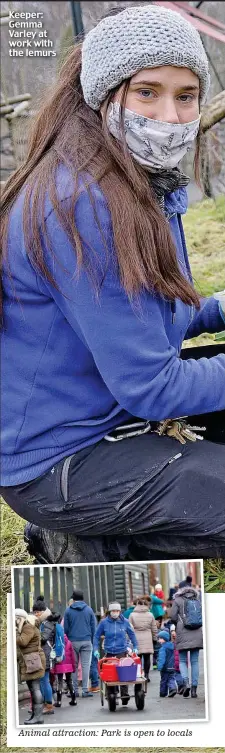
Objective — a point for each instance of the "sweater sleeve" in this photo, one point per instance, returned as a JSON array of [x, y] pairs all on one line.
[[24, 638], [130, 347], [161, 658], [99, 632], [156, 599], [93, 625], [173, 612], [154, 629], [66, 623], [207, 319]]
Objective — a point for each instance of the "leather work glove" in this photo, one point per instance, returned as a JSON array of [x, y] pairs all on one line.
[[178, 429]]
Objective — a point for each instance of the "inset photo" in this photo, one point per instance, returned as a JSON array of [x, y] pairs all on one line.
[[92, 641]]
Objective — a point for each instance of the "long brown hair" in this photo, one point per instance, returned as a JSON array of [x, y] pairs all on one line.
[[67, 131]]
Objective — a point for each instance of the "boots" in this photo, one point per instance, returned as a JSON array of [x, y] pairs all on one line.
[[37, 715], [73, 701], [48, 708], [186, 692], [51, 547], [27, 721], [194, 692], [58, 699]]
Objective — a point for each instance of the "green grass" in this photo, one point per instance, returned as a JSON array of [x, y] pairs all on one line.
[[121, 750], [204, 226], [205, 234], [214, 576]]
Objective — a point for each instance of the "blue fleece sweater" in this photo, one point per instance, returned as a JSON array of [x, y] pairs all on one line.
[[80, 622], [76, 364], [115, 634]]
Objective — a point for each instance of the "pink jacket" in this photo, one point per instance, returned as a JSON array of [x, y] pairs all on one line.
[[68, 664]]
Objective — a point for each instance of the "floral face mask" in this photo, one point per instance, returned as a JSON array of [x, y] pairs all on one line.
[[154, 144]]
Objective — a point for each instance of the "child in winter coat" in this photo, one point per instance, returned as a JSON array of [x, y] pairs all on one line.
[[66, 666], [166, 665]]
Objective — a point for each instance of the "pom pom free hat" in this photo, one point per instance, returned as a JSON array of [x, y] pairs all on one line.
[[139, 37], [114, 606]]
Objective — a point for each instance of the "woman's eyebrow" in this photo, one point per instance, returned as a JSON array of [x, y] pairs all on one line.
[[190, 87], [146, 83]]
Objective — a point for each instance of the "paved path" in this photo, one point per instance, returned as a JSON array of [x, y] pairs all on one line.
[[89, 709]]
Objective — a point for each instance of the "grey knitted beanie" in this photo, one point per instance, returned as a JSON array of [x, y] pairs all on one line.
[[139, 37]]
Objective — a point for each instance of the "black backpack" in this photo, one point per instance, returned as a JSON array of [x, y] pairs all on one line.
[[192, 614]]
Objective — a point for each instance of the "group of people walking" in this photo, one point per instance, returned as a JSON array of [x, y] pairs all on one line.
[[51, 649]]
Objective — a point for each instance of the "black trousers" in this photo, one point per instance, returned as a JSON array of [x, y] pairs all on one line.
[[142, 497], [57, 682], [147, 662]]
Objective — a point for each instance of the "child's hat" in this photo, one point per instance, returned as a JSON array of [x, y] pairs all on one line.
[[164, 634]]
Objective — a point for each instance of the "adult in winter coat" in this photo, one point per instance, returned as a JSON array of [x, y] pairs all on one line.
[[28, 645], [47, 623], [80, 626], [98, 298], [187, 639], [145, 629], [67, 667], [116, 631]]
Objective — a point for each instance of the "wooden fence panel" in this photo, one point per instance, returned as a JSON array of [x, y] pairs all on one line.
[[111, 584], [17, 599], [26, 585], [37, 583], [69, 582], [46, 572], [92, 589], [55, 592], [84, 584], [63, 600], [103, 576]]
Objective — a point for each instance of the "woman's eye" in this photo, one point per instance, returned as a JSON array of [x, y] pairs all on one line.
[[146, 93], [186, 97]]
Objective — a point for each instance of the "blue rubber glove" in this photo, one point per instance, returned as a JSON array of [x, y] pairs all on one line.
[[135, 651], [97, 654]]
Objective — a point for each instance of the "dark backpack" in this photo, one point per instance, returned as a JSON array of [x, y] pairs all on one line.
[[192, 614]]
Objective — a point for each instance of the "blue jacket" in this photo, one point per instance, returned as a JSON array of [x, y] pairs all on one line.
[[76, 364], [166, 658], [79, 622], [115, 633]]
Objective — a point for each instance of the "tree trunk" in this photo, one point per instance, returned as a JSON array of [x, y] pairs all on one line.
[[213, 112]]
